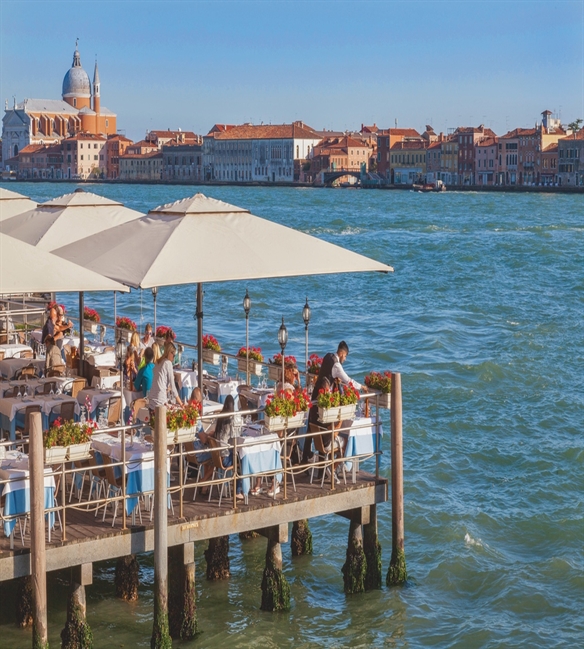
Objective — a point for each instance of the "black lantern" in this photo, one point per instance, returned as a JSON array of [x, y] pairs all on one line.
[[306, 314], [246, 303], [283, 335]]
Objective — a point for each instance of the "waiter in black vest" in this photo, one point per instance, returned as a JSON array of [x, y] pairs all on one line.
[[331, 370]]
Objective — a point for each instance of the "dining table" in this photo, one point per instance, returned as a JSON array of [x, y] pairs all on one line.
[[13, 350], [9, 367], [71, 340], [15, 489], [186, 381], [12, 410], [361, 440], [63, 383], [257, 452], [139, 467], [219, 388], [94, 398]]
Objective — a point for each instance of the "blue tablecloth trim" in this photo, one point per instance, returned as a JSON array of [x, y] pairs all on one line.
[[258, 462], [18, 502]]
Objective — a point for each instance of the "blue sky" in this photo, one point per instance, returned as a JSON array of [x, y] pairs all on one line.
[[331, 63]]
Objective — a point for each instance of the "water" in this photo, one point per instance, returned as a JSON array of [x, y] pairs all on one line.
[[483, 317]]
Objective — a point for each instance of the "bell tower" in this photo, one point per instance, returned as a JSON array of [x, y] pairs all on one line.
[[96, 84]]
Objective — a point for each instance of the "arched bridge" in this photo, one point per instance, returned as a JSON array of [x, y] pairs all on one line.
[[329, 177]]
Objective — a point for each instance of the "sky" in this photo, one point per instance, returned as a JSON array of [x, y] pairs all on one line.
[[331, 63]]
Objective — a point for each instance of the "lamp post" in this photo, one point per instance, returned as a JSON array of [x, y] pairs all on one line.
[[246, 308], [154, 294], [306, 318], [120, 357], [283, 340]]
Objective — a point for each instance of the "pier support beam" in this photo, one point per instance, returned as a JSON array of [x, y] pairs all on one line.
[[275, 586], [301, 542], [160, 633], [397, 573], [372, 549], [127, 578], [38, 557], [182, 615], [24, 603], [77, 633], [355, 567], [217, 557], [250, 534]]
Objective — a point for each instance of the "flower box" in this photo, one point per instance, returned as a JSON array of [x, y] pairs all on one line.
[[384, 400], [90, 326], [209, 356], [183, 435], [337, 413], [254, 366], [274, 372], [78, 451], [56, 454], [280, 423], [126, 335]]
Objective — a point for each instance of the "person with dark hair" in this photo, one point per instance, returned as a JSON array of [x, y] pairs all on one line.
[[331, 372], [145, 373], [49, 326]]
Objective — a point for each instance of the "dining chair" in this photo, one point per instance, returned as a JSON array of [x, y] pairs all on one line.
[[113, 488], [57, 370], [219, 470], [48, 386], [26, 373], [77, 385], [191, 461], [114, 411], [287, 457], [326, 448], [244, 405], [2, 355], [136, 406], [67, 411], [12, 393], [97, 479], [25, 432], [27, 353]]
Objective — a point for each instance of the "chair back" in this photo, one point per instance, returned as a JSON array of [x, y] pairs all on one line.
[[68, 411], [57, 370], [27, 353], [11, 393], [76, 387], [114, 412], [29, 371], [110, 475], [48, 386], [137, 404], [244, 405], [318, 437], [96, 469], [2, 355], [27, 413], [216, 449]]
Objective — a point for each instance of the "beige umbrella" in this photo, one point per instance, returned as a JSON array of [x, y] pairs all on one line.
[[201, 239], [66, 219], [12, 203], [26, 269]]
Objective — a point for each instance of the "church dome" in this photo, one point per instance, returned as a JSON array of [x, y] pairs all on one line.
[[76, 81]]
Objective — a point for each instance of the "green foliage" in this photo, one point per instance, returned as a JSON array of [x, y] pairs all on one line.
[[67, 433], [355, 568], [397, 574]]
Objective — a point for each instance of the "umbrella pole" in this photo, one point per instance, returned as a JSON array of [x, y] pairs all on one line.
[[200, 335], [115, 316], [81, 369]]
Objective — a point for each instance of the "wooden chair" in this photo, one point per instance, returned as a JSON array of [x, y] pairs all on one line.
[[114, 411], [76, 386], [191, 461], [12, 393], [48, 386], [2, 355], [244, 405], [26, 373], [57, 370], [219, 470], [27, 353], [113, 488], [67, 411], [25, 432], [137, 405]]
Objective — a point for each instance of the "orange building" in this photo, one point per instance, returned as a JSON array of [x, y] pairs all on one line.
[[49, 121]]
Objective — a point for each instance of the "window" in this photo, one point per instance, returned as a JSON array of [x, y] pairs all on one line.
[[95, 145], [95, 157], [106, 123], [81, 156]]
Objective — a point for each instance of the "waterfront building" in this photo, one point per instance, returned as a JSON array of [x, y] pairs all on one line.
[[570, 155], [486, 161], [433, 159], [467, 137], [141, 147], [182, 162], [115, 147], [449, 160], [84, 156], [408, 162], [141, 166], [49, 121], [386, 138], [251, 152], [340, 153], [160, 138], [549, 165]]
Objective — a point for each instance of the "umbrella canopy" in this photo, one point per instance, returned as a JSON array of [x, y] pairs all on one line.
[[66, 219], [201, 239], [26, 269], [12, 203]]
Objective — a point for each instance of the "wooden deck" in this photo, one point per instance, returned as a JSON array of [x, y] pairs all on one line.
[[88, 539]]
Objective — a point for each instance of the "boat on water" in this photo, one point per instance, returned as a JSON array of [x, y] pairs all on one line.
[[438, 186]]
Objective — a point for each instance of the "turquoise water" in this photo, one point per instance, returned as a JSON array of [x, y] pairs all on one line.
[[483, 317]]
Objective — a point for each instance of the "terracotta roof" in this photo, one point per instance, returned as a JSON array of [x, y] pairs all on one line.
[[578, 136], [408, 144], [407, 132], [342, 142], [119, 136], [369, 129], [152, 154], [144, 143], [86, 136], [221, 128], [551, 148], [31, 148], [487, 141], [171, 134], [269, 132], [435, 145]]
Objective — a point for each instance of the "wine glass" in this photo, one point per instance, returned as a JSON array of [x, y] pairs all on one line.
[[52, 392]]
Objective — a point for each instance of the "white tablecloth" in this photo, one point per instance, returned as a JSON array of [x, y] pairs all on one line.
[[222, 388], [105, 359], [186, 379], [96, 396], [105, 381], [12, 350], [9, 407], [257, 397], [10, 366], [15, 465], [32, 386], [72, 341], [252, 441]]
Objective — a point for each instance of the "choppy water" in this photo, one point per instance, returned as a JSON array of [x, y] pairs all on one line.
[[483, 316]]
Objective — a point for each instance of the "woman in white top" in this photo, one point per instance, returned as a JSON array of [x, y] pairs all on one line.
[[163, 379]]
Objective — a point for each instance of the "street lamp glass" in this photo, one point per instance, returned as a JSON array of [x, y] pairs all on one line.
[[306, 313], [246, 303], [283, 335], [154, 291], [120, 348]]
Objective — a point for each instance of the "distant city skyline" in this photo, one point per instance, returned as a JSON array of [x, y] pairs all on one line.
[[334, 65]]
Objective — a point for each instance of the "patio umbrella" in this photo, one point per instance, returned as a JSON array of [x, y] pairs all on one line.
[[200, 239], [12, 203]]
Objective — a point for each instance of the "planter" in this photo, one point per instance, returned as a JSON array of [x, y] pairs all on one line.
[[384, 400], [338, 413], [56, 454], [126, 334], [78, 451], [210, 356], [279, 423], [183, 435], [90, 326], [274, 372], [254, 366]]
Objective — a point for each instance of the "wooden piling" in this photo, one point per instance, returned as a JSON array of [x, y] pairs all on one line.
[[355, 566], [77, 633], [182, 616], [301, 541], [38, 562], [372, 549], [397, 573], [217, 558], [127, 578], [160, 632], [275, 586], [24, 602]]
